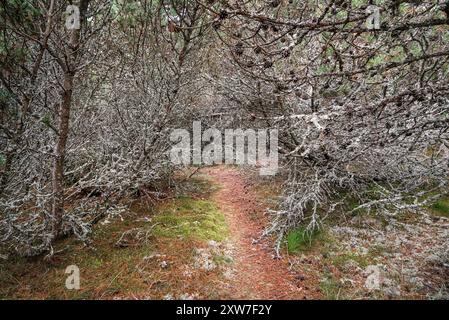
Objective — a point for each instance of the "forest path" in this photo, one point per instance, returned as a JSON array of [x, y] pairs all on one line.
[[256, 274]]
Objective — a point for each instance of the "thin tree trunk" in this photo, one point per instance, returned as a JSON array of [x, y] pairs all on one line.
[[58, 166], [63, 129]]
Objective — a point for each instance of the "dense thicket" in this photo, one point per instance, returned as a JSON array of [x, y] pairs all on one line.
[[362, 108], [85, 114]]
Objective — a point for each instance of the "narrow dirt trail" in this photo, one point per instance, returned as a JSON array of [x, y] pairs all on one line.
[[257, 275]]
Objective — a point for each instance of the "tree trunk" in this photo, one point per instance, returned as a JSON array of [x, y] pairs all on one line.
[[58, 165], [69, 68]]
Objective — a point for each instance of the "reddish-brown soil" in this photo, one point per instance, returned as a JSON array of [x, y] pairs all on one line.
[[257, 274]]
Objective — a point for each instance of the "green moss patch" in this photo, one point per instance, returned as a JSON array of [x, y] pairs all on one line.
[[191, 218]]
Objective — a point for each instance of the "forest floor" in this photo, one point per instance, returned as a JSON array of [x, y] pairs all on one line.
[[202, 241]]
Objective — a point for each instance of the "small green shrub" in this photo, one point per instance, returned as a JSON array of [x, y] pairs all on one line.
[[302, 239]]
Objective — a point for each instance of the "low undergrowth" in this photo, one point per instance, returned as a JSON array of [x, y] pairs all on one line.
[[441, 207], [148, 252]]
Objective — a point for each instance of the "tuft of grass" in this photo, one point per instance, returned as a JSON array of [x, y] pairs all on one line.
[[441, 207], [191, 218], [340, 260], [302, 239], [331, 288]]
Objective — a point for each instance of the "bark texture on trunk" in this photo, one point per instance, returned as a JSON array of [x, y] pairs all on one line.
[[69, 67]]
